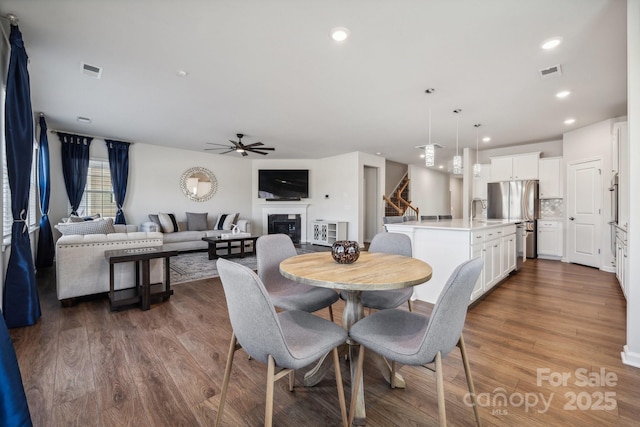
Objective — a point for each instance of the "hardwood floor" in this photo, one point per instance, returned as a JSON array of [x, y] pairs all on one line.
[[87, 366]]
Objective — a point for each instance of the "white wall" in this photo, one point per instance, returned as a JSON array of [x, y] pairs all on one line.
[[457, 193], [429, 190], [631, 354]]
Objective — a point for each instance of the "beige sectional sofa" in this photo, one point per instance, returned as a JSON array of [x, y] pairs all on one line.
[[82, 269]]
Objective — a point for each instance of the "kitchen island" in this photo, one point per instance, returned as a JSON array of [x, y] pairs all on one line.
[[446, 244]]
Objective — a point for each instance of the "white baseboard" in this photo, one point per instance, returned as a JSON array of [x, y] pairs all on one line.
[[630, 358], [608, 269]]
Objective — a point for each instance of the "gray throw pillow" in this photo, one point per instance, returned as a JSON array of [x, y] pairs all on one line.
[[197, 221], [101, 226]]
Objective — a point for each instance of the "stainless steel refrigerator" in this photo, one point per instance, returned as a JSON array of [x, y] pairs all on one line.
[[517, 201]]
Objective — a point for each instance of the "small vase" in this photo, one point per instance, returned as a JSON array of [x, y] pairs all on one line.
[[345, 251]]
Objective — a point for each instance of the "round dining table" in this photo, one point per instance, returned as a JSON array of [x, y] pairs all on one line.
[[372, 271]]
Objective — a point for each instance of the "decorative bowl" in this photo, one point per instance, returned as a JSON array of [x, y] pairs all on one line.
[[345, 251]]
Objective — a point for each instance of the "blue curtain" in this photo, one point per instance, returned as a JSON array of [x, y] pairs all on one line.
[[21, 302], [75, 164], [44, 255], [119, 166], [14, 410]]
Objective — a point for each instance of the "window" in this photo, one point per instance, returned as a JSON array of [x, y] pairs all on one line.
[[98, 193]]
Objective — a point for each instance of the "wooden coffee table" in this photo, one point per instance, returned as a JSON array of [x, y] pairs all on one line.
[[217, 242]]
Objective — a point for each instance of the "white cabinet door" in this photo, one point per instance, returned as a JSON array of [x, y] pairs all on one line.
[[510, 257], [501, 169], [510, 168], [525, 166], [549, 239], [550, 183]]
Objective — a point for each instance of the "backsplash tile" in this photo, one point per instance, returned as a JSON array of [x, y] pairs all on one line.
[[551, 208]]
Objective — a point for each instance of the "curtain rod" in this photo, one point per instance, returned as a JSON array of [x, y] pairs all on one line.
[[88, 136]]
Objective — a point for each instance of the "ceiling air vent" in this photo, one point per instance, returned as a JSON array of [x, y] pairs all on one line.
[[553, 71], [91, 71]]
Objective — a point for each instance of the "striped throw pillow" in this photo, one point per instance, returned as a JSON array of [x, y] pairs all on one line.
[[168, 222], [101, 226]]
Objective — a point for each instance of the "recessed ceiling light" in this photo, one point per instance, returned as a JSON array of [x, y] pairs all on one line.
[[379, 153], [182, 73], [563, 94], [339, 34], [486, 139], [440, 167], [422, 156], [83, 119], [569, 121], [551, 43]]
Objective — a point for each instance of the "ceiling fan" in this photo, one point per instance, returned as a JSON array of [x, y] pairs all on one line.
[[239, 147]]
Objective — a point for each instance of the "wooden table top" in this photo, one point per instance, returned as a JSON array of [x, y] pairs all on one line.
[[372, 271]]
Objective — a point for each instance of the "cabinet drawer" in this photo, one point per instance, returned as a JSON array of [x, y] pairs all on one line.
[[477, 236], [548, 224], [492, 233]]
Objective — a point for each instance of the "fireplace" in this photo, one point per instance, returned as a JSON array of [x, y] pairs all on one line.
[[289, 224], [291, 216]]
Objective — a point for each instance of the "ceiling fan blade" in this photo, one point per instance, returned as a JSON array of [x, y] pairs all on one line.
[[258, 152], [262, 148], [225, 147], [230, 150], [255, 144], [244, 153]]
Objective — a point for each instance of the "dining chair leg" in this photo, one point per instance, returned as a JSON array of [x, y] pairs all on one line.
[[356, 385], [292, 378], [227, 376], [268, 410], [393, 374], [410, 304], [442, 413], [343, 403], [467, 372], [330, 313]]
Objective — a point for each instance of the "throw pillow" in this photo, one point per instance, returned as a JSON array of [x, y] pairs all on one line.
[[229, 221], [154, 218], [76, 218], [100, 226], [168, 222], [197, 221], [225, 221]]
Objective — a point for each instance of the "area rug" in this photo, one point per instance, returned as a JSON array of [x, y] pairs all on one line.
[[190, 266]]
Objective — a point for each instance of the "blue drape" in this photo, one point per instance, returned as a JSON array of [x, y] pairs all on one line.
[[119, 166], [21, 302], [14, 410], [44, 254], [75, 164]]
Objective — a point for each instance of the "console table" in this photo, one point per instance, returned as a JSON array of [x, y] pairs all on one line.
[[143, 290]]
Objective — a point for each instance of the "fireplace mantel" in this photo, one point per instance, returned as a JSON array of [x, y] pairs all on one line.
[[286, 208]]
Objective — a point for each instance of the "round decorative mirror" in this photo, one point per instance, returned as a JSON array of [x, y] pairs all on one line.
[[198, 184]]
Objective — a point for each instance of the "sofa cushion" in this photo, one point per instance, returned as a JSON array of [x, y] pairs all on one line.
[[101, 226], [183, 236], [168, 222], [197, 221]]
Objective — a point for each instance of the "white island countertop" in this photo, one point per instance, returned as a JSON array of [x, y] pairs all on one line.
[[453, 224]]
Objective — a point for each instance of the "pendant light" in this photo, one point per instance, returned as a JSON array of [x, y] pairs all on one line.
[[429, 149], [476, 166], [457, 159]]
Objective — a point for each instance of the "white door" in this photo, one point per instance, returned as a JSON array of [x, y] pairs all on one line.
[[584, 200]]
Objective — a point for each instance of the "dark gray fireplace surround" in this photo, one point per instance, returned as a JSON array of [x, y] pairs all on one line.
[[289, 224]]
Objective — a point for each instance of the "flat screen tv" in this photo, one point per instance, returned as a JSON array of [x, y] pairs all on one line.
[[283, 184]]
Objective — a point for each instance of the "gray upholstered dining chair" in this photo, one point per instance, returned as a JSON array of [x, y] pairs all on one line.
[[445, 217], [286, 341], [428, 217], [413, 339], [286, 294], [391, 243]]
